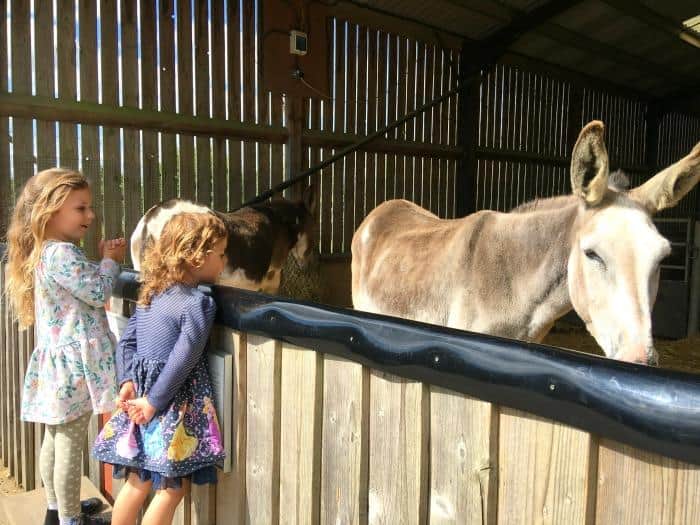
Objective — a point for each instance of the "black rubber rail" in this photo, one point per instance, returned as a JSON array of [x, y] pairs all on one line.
[[650, 408]]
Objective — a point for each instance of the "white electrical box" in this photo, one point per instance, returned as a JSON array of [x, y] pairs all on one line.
[[298, 42]]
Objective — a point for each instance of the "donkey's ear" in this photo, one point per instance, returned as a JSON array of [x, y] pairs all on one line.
[[589, 164], [669, 186], [309, 198]]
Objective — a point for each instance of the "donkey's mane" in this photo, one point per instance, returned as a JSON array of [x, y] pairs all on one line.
[[542, 204]]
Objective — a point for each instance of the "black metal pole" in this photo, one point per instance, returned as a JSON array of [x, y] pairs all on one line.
[[461, 84]]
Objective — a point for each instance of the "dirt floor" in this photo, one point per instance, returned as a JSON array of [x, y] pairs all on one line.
[[7, 483], [682, 354]]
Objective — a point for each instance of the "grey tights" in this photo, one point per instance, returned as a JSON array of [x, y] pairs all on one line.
[[60, 464]]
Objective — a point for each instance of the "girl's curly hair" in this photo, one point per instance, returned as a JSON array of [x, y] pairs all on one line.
[[185, 240], [41, 197]]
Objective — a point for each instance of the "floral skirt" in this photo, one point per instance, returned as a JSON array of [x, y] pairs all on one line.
[[182, 440]]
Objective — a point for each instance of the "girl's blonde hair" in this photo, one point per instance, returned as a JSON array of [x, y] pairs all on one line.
[[41, 197], [185, 240]]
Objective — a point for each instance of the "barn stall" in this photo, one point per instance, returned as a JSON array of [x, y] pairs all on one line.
[[202, 100]]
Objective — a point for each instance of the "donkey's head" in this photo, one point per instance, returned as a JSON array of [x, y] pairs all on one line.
[[616, 249]]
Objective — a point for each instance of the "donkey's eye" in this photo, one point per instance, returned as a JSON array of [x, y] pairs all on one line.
[[593, 256]]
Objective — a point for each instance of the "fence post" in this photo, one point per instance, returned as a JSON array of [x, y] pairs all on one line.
[[467, 138], [294, 110]]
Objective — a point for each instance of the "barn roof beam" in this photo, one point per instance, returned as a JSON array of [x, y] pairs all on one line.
[[570, 38], [488, 50], [655, 19]]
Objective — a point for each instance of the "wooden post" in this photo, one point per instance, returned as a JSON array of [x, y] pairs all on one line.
[[293, 148], [574, 124], [653, 119], [467, 138]]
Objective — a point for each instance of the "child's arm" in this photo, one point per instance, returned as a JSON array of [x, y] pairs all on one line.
[[67, 265], [194, 333], [125, 352]]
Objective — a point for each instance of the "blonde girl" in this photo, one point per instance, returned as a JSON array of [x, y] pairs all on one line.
[[165, 433], [51, 284]]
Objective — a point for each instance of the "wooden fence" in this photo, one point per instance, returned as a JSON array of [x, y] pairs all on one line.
[[319, 438]]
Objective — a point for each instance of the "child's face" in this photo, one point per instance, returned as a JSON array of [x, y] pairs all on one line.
[[213, 264], [71, 221]]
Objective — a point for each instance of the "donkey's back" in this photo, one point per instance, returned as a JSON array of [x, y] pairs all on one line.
[[406, 261]]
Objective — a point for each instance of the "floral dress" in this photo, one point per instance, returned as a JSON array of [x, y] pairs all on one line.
[[72, 369], [162, 352]]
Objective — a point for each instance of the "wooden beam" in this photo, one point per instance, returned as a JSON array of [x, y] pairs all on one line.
[[329, 140], [44, 108], [492, 47], [51, 109], [573, 39], [592, 46]]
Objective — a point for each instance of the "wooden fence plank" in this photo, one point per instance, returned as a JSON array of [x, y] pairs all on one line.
[[16, 389], [641, 487], [322, 116], [149, 100], [235, 105], [391, 102], [218, 60], [6, 193], [4, 306], [27, 429], [371, 173], [420, 123], [168, 141], [133, 191], [463, 459], [339, 126], [231, 488], [186, 170], [381, 100], [250, 175], [111, 160], [350, 175], [67, 87], [545, 471], [263, 429], [23, 163], [300, 441], [90, 148], [277, 150], [6, 400], [398, 450], [201, 73], [361, 125], [344, 444], [46, 130]]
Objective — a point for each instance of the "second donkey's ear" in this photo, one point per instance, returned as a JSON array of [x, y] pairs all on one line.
[[589, 164], [309, 198]]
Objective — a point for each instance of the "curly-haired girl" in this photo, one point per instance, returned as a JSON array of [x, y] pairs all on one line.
[[163, 433]]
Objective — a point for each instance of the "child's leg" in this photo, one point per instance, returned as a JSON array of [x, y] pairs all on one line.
[[130, 500], [68, 458], [46, 463], [162, 507]]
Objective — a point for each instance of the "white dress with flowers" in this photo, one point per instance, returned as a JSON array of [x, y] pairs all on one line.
[[71, 371]]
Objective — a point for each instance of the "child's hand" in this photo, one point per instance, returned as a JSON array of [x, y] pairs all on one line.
[[113, 249], [126, 393], [140, 410]]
